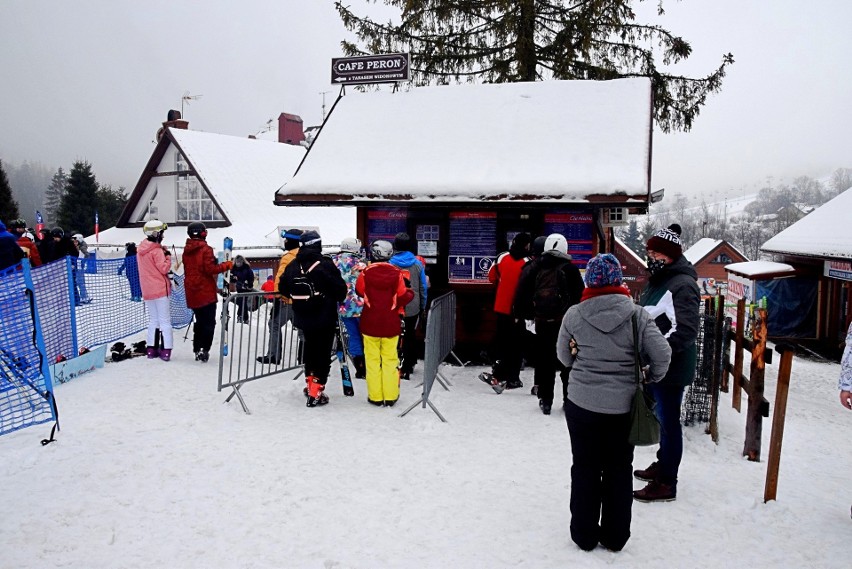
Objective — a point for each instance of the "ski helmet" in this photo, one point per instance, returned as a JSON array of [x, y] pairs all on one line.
[[196, 230], [350, 245], [557, 242], [57, 232], [17, 224], [77, 237], [381, 250], [154, 229]]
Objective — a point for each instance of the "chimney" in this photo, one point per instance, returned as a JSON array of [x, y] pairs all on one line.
[[290, 129], [174, 120]]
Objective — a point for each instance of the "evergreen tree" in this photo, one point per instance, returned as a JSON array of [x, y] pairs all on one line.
[[633, 238], [8, 205], [28, 182], [79, 201], [500, 41], [110, 205], [53, 196]]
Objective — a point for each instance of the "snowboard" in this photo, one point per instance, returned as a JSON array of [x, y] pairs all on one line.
[[348, 389]]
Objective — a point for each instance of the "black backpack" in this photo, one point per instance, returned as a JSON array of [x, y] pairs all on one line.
[[551, 295], [302, 287]]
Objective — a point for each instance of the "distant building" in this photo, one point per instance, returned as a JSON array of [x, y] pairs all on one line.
[[709, 257]]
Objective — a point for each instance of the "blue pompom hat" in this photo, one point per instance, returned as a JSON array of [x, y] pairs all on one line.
[[603, 270]]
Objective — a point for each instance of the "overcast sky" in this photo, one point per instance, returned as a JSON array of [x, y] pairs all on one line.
[[94, 80]]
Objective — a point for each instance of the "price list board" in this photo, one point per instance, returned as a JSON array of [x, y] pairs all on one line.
[[473, 246], [385, 223], [578, 229]]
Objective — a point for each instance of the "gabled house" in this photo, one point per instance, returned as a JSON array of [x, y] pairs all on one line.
[[709, 257], [227, 182], [633, 267]]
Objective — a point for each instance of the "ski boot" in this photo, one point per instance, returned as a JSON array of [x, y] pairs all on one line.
[[315, 393], [152, 352], [202, 355], [166, 354], [497, 385]]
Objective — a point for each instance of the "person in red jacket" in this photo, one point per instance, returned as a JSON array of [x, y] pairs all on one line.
[[18, 228], [200, 271], [508, 340], [382, 286]]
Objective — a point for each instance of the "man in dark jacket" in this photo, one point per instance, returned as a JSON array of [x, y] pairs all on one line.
[[201, 271], [547, 288], [242, 276], [672, 298], [18, 228], [403, 257], [315, 286]]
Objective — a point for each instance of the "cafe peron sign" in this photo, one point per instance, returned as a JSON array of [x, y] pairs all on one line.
[[363, 69]]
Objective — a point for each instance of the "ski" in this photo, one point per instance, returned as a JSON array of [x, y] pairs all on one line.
[[348, 389], [224, 287]]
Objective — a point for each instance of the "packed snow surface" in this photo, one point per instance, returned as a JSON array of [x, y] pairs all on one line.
[[153, 469]]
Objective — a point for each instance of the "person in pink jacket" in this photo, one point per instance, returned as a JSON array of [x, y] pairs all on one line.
[[155, 263]]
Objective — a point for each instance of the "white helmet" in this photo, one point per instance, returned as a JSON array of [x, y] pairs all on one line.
[[350, 245], [77, 237], [556, 241], [154, 228], [381, 250]]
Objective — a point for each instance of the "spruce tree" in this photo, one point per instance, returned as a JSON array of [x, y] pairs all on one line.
[[633, 238], [8, 205], [79, 201], [500, 41], [53, 196], [110, 205]]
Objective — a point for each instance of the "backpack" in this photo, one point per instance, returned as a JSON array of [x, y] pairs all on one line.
[[551, 297], [302, 287]]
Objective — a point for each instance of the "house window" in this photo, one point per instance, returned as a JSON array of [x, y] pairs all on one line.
[[151, 211], [722, 259], [193, 203]]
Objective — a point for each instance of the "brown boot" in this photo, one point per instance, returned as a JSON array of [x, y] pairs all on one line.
[[649, 473], [656, 492]]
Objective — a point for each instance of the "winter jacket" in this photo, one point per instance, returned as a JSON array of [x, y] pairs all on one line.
[[201, 269], [243, 277], [52, 250], [285, 260], [505, 273], [845, 382], [417, 276], [154, 266], [673, 299], [603, 374], [524, 306], [382, 286], [321, 311], [32, 251], [350, 266], [10, 252]]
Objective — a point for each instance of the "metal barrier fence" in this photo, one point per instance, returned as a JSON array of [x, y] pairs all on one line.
[[440, 340], [258, 340]]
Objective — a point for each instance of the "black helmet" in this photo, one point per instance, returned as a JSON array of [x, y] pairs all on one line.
[[17, 224], [57, 232], [196, 230]]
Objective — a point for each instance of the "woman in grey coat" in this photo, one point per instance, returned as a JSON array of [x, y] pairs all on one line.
[[596, 343]]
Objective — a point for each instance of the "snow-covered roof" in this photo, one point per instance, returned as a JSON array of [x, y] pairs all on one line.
[[753, 269], [627, 250], [826, 232], [701, 249], [543, 141], [241, 175]]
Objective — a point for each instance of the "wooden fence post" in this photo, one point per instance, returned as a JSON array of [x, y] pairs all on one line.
[[779, 414], [754, 413], [736, 396], [718, 373]]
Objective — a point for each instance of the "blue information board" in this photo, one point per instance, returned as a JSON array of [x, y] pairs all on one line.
[[578, 229], [473, 246], [385, 223]]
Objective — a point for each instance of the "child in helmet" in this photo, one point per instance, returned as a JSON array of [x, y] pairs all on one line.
[[350, 265], [200, 271], [382, 286], [154, 262]]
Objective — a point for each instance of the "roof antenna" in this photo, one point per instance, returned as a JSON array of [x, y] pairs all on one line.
[[186, 98]]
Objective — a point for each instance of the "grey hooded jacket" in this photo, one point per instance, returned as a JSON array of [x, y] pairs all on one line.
[[603, 378]]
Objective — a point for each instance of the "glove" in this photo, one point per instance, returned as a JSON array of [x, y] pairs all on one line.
[[228, 265]]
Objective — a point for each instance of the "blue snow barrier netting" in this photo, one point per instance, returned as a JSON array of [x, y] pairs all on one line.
[[86, 303], [26, 390]]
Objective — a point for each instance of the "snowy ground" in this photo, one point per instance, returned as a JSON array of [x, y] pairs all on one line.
[[151, 469]]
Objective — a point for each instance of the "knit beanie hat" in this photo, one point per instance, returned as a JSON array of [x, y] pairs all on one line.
[[311, 238], [603, 270], [667, 242], [402, 242]]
